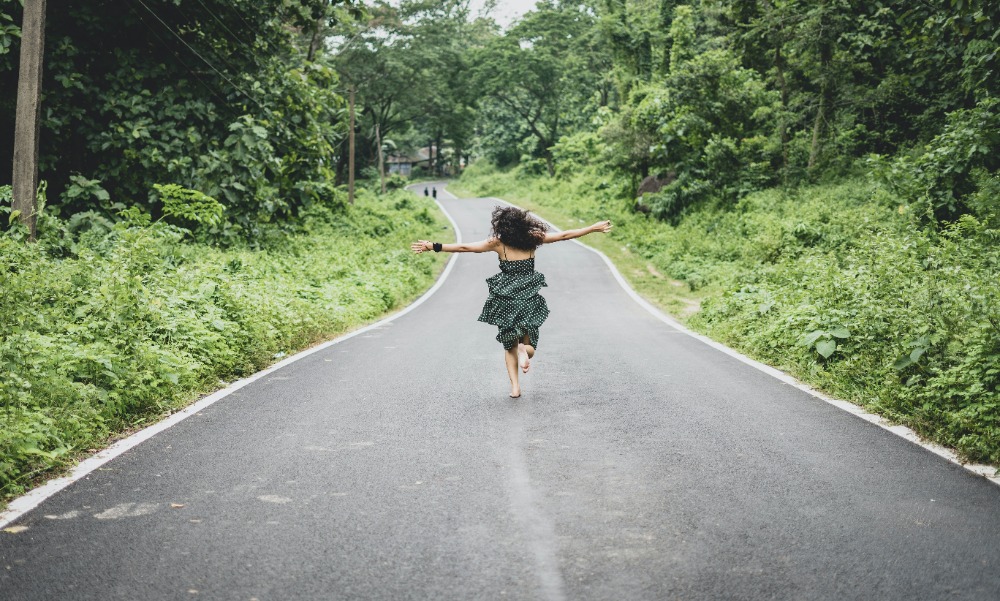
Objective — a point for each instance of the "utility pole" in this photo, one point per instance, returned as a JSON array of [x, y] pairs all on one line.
[[430, 157], [381, 165], [26, 122], [350, 152]]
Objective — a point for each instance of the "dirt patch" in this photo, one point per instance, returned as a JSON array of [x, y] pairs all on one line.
[[689, 307]]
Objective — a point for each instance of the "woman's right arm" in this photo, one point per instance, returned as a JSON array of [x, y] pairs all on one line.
[[421, 246]]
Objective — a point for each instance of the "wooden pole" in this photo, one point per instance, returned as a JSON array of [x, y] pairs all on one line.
[[26, 122], [381, 165], [350, 152]]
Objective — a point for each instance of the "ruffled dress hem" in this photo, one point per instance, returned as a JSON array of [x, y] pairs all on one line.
[[514, 304]]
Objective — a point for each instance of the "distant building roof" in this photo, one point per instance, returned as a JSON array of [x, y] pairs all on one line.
[[422, 155]]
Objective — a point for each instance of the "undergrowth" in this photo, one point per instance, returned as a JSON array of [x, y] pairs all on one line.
[[836, 284], [110, 328]]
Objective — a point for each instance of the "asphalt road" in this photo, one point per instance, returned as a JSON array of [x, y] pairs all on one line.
[[639, 463]]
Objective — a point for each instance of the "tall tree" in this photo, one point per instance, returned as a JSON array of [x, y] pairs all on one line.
[[545, 72], [409, 62]]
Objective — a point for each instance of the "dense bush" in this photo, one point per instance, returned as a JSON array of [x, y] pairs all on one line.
[[848, 295], [834, 283], [170, 94], [944, 178], [105, 327], [720, 99], [704, 123]]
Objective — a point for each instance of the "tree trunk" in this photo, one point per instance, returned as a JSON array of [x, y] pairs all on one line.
[[817, 127], [350, 151], [26, 127], [381, 165], [779, 64], [437, 154], [825, 55], [314, 40]]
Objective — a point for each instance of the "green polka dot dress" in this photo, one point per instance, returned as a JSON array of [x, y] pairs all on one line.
[[514, 305]]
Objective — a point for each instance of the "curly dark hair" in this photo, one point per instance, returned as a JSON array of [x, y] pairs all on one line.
[[517, 228]]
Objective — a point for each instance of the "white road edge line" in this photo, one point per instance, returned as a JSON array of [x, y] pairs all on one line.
[[32, 499], [986, 471]]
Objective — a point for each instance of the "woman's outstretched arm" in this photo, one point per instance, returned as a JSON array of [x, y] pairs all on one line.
[[474, 247], [601, 226]]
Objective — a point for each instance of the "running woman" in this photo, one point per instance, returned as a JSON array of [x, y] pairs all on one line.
[[514, 304]]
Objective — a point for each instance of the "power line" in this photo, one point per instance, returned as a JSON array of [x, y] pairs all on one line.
[[288, 126], [240, 15], [203, 59], [226, 60], [226, 27], [211, 89]]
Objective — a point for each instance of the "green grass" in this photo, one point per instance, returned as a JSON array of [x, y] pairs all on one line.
[[124, 326], [835, 284]]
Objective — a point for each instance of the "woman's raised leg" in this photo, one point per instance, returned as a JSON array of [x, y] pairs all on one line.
[[525, 352], [510, 359]]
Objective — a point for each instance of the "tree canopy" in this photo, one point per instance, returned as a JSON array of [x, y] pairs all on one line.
[[246, 101]]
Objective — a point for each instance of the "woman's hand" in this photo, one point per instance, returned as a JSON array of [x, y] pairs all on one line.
[[421, 246], [601, 226]]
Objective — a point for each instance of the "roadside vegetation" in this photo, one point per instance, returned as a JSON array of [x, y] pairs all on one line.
[[814, 183], [193, 218], [831, 283], [111, 328]]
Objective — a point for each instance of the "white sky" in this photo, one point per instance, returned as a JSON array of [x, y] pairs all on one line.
[[506, 10]]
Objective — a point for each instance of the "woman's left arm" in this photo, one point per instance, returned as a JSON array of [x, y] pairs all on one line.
[[601, 226], [421, 246]]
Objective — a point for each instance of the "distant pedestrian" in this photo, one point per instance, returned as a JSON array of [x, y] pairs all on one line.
[[434, 192], [425, 190], [514, 304]]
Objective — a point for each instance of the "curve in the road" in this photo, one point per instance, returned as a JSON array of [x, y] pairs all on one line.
[[640, 463], [988, 472]]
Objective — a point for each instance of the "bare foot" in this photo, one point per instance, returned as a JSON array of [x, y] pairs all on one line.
[[522, 358], [515, 393]]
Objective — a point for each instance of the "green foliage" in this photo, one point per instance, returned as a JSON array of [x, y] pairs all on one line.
[[828, 282], [249, 117], [539, 80], [248, 169], [919, 316], [578, 151], [938, 183], [9, 33], [189, 205], [720, 99], [83, 191], [409, 62], [682, 35], [395, 181], [640, 45], [702, 122], [134, 320]]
